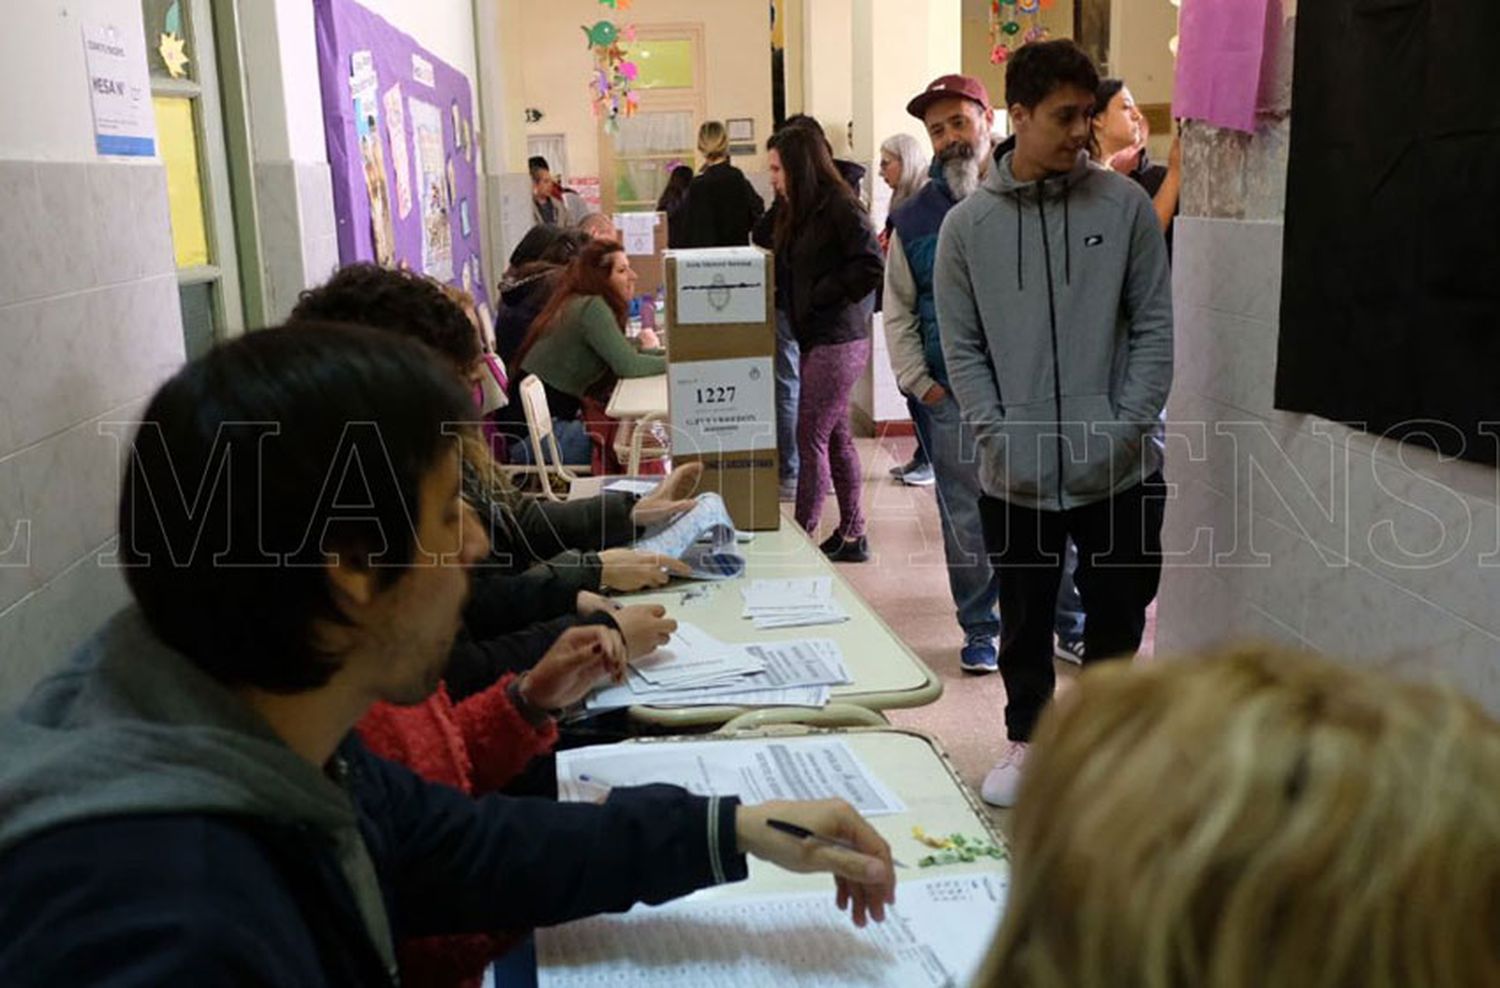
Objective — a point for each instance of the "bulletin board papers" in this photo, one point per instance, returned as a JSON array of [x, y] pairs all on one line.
[[704, 538], [936, 934], [722, 405], [793, 673], [755, 771], [721, 286], [124, 118]]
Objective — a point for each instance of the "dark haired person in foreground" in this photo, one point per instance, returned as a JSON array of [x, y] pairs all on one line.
[[184, 803], [1054, 305]]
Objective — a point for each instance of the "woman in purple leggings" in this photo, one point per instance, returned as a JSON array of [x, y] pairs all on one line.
[[834, 263]]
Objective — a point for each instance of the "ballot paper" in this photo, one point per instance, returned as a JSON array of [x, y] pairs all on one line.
[[755, 771], [935, 935], [703, 538], [793, 603], [633, 485], [693, 657], [810, 662]]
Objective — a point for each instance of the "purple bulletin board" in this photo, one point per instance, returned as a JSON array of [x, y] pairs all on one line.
[[402, 148]]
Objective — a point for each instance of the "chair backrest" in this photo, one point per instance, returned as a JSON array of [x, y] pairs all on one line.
[[534, 404], [539, 425]]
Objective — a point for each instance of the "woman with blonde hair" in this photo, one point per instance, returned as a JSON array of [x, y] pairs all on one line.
[[1259, 818], [721, 205]]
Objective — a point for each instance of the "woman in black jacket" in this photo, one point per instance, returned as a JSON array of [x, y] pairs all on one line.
[[722, 206], [834, 264]]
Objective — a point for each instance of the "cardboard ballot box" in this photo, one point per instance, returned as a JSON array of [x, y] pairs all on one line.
[[721, 382], [645, 238]]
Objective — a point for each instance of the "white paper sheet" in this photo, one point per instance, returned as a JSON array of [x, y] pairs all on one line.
[[809, 662], [639, 231], [722, 405], [755, 771], [935, 935], [632, 486], [794, 603], [721, 285]]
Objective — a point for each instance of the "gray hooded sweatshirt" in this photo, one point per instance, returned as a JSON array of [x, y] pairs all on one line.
[[132, 727], [1054, 304]]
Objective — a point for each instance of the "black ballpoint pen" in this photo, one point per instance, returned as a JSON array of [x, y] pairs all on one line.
[[803, 833]]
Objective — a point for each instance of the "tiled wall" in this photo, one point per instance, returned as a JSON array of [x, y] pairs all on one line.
[[294, 201], [89, 325], [1293, 528]]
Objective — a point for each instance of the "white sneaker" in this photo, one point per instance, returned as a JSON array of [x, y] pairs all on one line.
[[1004, 779]]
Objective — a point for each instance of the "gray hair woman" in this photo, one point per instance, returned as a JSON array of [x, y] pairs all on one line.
[[903, 166]]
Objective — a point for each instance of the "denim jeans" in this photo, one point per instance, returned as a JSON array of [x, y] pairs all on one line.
[[919, 455], [572, 441], [971, 579], [788, 361]]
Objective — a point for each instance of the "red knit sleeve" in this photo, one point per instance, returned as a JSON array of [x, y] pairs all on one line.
[[499, 739], [449, 962], [425, 738]]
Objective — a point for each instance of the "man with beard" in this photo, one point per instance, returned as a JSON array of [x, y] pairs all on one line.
[[1055, 300], [956, 111]]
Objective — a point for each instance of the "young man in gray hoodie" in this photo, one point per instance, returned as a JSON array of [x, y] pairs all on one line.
[[1055, 310]]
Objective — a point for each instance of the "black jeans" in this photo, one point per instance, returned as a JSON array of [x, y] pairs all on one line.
[[1119, 567]]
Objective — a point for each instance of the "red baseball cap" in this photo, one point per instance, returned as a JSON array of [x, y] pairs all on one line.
[[947, 87]]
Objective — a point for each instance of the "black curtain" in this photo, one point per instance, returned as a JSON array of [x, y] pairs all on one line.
[[1390, 310]]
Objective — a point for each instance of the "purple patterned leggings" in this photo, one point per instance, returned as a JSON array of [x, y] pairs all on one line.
[[825, 443]]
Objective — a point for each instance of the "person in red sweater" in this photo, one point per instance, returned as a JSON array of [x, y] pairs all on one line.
[[477, 746]]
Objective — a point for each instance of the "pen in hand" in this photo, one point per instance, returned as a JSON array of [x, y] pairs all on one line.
[[802, 833]]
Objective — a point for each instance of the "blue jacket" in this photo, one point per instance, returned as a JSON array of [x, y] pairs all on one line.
[[153, 831], [917, 222]]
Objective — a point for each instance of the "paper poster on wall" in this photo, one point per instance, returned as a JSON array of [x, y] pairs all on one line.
[[395, 125], [364, 87], [721, 285], [588, 190], [432, 187], [723, 405], [120, 91], [426, 173]]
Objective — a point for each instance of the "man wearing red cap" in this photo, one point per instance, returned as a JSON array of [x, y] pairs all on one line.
[[955, 110]]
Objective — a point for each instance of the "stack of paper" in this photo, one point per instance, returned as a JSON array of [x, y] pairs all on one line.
[[794, 673], [792, 603], [694, 659]]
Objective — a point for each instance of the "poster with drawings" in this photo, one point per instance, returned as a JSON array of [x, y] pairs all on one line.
[[432, 188], [400, 138]]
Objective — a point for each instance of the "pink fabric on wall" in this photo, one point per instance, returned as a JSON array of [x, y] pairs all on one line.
[[1221, 48]]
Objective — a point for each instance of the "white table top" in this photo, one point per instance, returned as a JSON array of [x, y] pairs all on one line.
[[886, 673], [638, 397], [915, 768]]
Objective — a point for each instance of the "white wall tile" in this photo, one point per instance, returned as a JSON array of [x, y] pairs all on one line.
[[40, 632], [115, 241], [1422, 534], [15, 536], [41, 345], [35, 258], [152, 220]]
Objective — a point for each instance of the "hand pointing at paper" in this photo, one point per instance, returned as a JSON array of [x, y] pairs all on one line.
[[865, 878]]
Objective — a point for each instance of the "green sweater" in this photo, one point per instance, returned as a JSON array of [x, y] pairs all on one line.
[[585, 344]]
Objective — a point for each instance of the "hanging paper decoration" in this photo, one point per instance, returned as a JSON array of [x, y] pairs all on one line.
[[1008, 20], [171, 46], [613, 77]]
